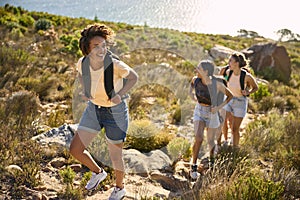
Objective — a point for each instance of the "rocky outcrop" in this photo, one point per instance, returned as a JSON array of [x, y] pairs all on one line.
[[135, 161], [219, 52], [270, 60], [142, 164]]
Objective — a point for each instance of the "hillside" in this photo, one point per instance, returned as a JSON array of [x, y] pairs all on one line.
[[38, 54]]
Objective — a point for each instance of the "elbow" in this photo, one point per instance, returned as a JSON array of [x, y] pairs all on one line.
[[135, 79]]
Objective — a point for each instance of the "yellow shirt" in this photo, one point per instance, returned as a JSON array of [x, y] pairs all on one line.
[[121, 70]]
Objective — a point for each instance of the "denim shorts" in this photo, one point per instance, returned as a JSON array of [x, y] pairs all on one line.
[[237, 106], [203, 113], [113, 119]]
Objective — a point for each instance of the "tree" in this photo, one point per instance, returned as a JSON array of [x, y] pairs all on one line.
[[247, 34], [287, 35]]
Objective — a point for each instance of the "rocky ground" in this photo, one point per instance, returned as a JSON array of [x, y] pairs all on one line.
[[163, 184], [137, 187]]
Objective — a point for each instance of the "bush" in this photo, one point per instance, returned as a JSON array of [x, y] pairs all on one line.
[[254, 187], [276, 138], [22, 114], [42, 24], [26, 21], [145, 137], [262, 91], [292, 102], [179, 148]]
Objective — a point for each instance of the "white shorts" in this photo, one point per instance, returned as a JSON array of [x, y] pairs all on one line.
[[203, 113]]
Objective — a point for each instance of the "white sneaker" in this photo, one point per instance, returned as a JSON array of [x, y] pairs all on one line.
[[194, 175], [95, 180], [117, 194], [194, 172]]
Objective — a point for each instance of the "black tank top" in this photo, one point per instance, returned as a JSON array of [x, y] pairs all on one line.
[[202, 92]]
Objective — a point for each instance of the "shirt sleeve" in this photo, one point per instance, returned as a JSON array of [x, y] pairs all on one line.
[[121, 69]]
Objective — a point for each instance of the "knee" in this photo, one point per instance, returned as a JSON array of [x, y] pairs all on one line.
[[235, 129], [73, 150], [198, 139], [118, 162]]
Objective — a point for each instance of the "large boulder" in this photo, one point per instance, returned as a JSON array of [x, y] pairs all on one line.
[[219, 52], [144, 163], [270, 60]]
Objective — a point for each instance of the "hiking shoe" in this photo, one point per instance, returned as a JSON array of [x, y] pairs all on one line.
[[211, 163], [117, 194], [194, 172], [95, 180], [225, 144]]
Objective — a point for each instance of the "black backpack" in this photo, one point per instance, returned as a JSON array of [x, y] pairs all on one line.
[[108, 75]]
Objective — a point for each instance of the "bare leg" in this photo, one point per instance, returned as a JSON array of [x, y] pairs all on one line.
[[199, 131], [227, 123], [211, 140], [236, 123], [219, 131], [115, 153], [77, 149]]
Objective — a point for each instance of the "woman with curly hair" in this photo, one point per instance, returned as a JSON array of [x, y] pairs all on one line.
[[106, 108]]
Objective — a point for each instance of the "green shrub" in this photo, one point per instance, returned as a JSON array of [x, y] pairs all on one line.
[[262, 91], [254, 187], [292, 102], [12, 60], [179, 148], [70, 192], [176, 117], [22, 108], [122, 46], [145, 137], [29, 83], [56, 118], [67, 175], [43, 24], [26, 21], [276, 138], [182, 112], [16, 148], [279, 103]]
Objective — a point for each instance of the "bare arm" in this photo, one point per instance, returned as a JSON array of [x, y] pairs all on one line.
[[191, 92], [131, 81], [251, 85], [222, 70], [221, 87], [82, 92]]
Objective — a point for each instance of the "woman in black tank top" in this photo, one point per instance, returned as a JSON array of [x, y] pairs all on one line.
[[205, 89]]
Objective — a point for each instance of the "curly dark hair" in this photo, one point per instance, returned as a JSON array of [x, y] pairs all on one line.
[[91, 31], [240, 58]]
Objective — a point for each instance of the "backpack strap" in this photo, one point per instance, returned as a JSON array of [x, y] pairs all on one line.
[[108, 75], [86, 76], [196, 81], [242, 79], [229, 75], [224, 73]]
